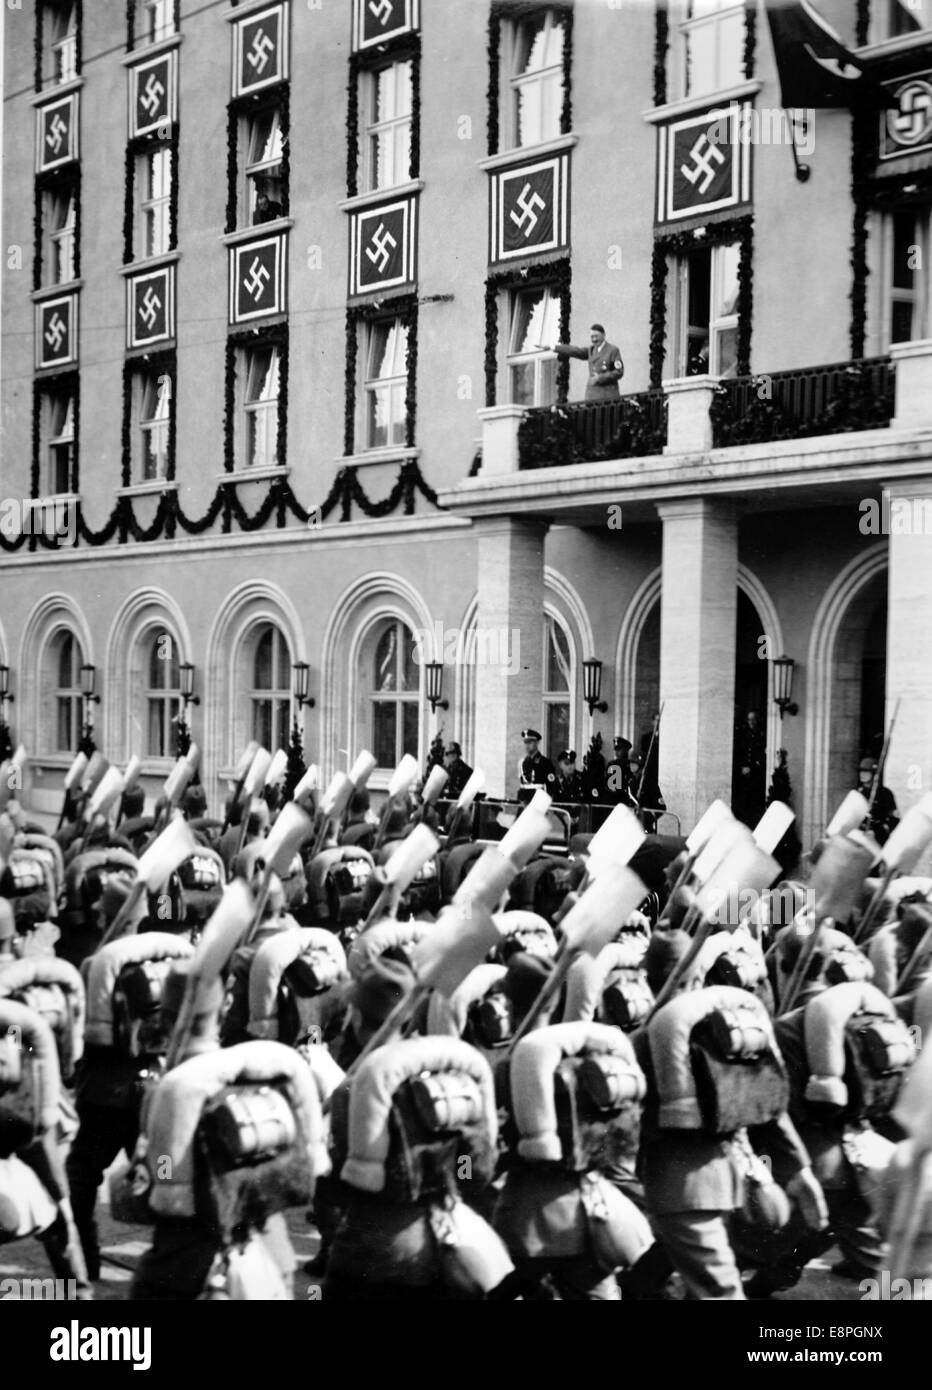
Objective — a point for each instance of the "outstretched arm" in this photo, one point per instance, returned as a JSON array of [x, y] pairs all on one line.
[[568, 350]]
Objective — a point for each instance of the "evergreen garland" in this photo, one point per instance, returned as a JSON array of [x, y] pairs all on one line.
[[750, 38], [661, 43]]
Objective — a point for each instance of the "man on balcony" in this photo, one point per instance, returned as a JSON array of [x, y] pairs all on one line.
[[605, 365]]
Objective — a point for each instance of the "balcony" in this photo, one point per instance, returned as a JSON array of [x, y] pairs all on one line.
[[834, 399], [590, 431]]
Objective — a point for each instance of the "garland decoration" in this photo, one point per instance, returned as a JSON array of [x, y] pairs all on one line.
[[494, 50], [862, 25], [558, 276], [661, 43], [740, 229], [750, 39], [352, 126], [345, 494]]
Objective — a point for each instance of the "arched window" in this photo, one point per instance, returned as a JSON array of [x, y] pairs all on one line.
[[270, 695], [558, 688], [67, 659], [162, 695], [394, 683]]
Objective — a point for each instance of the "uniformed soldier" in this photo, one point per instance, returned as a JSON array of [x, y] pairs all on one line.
[[458, 771], [534, 770], [883, 817], [605, 365], [569, 784]]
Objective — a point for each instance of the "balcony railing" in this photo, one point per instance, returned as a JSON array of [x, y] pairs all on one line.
[[589, 431], [813, 400]]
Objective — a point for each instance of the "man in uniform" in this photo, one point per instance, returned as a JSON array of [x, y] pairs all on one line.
[[458, 772], [883, 817], [605, 365], [534, 770], [569, 785]]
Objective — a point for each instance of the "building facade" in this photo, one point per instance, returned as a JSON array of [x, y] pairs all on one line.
[[281, 286]]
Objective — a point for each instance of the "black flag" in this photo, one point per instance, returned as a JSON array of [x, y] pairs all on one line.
[[815, 68]]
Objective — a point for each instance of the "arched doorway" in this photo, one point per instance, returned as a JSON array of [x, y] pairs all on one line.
[[858, 680], [750, 771]]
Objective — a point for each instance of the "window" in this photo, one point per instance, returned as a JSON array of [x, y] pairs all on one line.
[[263, 366], [708, 311], [892, 19], [395, 695], [162, 695], [558, 686], [153, 192], [386, 383], [59, 208], [156, 20], [534, 324], [906, 244], [270, 696], [264, 199], [67, 660], [152, 397], [62, 22], [537, 79], [60, 445], [388, 126], [713, 44]]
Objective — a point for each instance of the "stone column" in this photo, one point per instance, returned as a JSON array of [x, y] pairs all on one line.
[[689, 425], [509, 646], [907, 515], [698, 616]]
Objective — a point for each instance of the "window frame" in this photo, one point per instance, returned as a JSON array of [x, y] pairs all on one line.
[[64, 47], [536, 77], [372, 385], [918, 295], [151, 209], [255, 170], [277, 695], [55, 236], [718, 325], [556, 699], [371, 128], [401, 697], [68, 696], [727, 11], [170, 25], [511, 359], [147, 389], [165, 697], [260, 407]]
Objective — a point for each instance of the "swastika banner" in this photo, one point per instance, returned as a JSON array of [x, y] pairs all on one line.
[[703, 163], [260, 49], [57, 331], [57, 133], [153, 94], [375, 21], [529, 209], [257, 278], [908, 129], [150, 307], [383, 246]]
